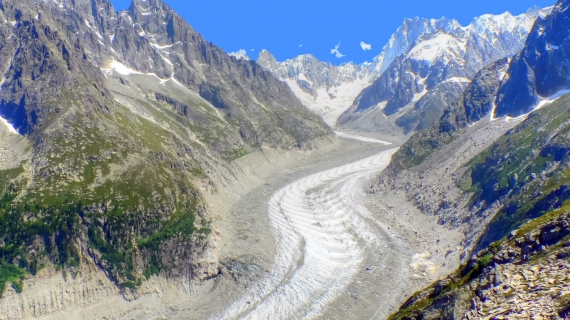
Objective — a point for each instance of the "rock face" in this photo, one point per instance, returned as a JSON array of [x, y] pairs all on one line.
[[518, 184], [323, 87], [116, 124], [441, 61], [151, 38], [476, 102], [541, 69], [507, 88], [523, 276], [523, 172]]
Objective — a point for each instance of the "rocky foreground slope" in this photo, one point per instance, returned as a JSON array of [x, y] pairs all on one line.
[[114, 126], [523, 276]]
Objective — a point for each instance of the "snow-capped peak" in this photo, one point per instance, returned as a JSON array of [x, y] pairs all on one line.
[[444, 42], [442, 46]]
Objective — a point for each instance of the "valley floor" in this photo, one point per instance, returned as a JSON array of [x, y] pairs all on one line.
[[298, 236], [341, 253]]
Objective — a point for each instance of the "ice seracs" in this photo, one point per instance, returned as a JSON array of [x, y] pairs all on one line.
[[443, 46]]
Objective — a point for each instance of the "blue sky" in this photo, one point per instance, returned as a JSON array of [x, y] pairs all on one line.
[[293, 27]]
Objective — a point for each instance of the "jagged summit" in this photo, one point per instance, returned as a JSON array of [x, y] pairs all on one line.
[[440, 60], [425, 65], [323, 87]]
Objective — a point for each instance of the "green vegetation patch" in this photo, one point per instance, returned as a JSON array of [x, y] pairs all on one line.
[[525, 170], [11, 274], [35, 234], [234, 154]]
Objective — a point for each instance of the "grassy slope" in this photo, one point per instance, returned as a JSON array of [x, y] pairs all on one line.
[[526, 170]]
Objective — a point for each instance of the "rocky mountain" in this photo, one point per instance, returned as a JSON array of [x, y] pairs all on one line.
[[508, 189], [476, 103], [511, 200], [499, 90], [330, 90], [323, 87], [541, 69], [114, 125], [495, 174], [418, 85]]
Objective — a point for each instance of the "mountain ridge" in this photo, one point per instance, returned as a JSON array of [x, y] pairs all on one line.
[[435, 71], [124, 121], [329, 89]]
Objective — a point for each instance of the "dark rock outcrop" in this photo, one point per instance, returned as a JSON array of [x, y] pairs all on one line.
[[474, 104], [495, 281], [542, 68]]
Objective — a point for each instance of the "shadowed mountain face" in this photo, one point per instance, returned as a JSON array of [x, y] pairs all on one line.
[[542, 68], [124, 120], [536, 147], [509, 87], [474, 104]]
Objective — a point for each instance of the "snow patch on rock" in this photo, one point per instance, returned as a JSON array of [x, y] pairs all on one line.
[[442, 47], [8, 125]]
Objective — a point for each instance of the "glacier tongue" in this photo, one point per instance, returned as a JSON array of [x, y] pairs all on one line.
[[323, 231]]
